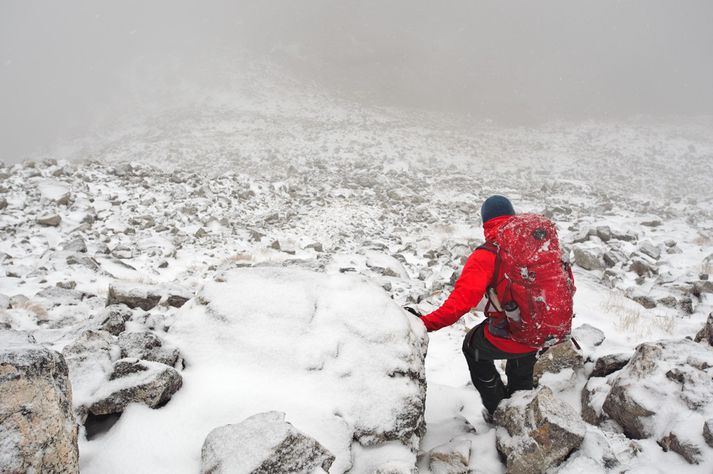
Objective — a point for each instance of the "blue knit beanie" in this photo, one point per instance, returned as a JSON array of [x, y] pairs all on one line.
[[496, 206]]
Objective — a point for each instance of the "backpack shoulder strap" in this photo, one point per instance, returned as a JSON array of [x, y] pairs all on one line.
[[491, 292]]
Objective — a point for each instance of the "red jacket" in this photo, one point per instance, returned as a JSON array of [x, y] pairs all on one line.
[[469, 290]]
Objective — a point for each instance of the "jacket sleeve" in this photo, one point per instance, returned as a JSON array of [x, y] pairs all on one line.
[[467, 293]]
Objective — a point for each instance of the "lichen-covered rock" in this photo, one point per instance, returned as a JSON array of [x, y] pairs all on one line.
[[148, 346], [135, 381], [38, 432], [262, 444], [450, 458], [558, 358], [536, 431]]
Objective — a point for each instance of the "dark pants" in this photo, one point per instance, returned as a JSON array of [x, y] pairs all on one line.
[[480, 354]]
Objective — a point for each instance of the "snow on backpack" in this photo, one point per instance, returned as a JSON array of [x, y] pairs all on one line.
[[532, 286]]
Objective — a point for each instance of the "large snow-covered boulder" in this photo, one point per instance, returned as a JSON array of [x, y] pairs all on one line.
[[332, 351], [38, 432], [264, 443], [536, 431]]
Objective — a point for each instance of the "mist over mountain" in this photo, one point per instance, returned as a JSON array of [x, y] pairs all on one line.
[[70, 68]]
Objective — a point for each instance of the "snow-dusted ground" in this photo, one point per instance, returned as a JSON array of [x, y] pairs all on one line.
[[333, 187]]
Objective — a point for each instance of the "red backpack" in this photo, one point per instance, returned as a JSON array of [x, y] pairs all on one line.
[[532, 286]]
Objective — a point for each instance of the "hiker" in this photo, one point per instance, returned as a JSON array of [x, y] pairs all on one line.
[[529, 289]]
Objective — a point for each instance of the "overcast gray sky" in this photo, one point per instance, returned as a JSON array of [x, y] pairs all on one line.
[[65, 64]]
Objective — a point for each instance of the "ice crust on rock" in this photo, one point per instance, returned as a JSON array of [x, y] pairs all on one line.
[[262, 444]]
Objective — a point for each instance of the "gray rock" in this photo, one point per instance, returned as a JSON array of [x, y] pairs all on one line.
[[604, 233], [38, 432], [67, 285], [642, 268], [49, 220], [705, 335], [133, 296], [702, 286], [588, 335], [450, 458], [647, 248], [558, 358], [113, 318], [689, 451], [262, 444], [148, 346], [609, 364], [19, 301], [3, 203], [587, 258], [685, 304], [668, 301], [536, 431], [645, 301], [627, 236], [652, 223], [708, 432], [76, 245], [136, 381], [583, 235]]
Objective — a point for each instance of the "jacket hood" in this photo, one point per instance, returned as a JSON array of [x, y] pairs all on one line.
[[490, 228]]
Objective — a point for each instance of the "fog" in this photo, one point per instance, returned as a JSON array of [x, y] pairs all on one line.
[[68, 67]]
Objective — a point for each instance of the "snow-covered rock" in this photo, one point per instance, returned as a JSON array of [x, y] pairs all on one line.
[[558, 358], [588, 257], [55, 191], [89, 359], [135, 381], [264, 443], [148, 346], [588, 335], [664, 391], [38, 432], [536, 431], [450, 458], [113, 318]]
